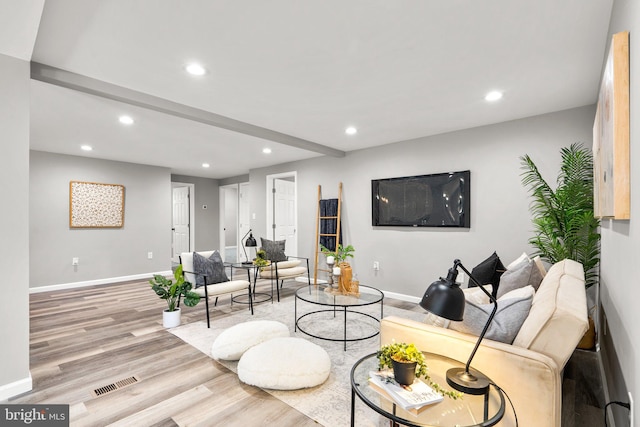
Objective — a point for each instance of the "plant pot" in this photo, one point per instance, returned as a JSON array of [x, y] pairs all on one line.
[[588, 341], [171, 319], [404, 372]]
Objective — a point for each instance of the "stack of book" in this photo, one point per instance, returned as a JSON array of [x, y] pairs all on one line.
[[413, 398]]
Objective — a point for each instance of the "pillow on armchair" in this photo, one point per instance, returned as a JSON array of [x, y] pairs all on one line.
[[212, 267], [274, 249]]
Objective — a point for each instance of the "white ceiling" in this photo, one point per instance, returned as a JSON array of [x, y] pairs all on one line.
[[396, 70]]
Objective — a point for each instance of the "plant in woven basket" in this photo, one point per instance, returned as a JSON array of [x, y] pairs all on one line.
[[409, 353]]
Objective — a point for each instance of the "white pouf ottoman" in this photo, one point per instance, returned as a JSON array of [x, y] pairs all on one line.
[[234, 341], [284, 364]]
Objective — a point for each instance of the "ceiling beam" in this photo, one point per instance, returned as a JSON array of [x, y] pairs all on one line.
[[56, 76]]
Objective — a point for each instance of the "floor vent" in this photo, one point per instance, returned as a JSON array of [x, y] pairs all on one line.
[[117, 385]]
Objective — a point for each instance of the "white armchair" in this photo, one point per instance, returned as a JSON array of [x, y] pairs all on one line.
[[282, 270], [211, 286]]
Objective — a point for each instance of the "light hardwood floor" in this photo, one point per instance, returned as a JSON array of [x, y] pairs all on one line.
[[85, 338]]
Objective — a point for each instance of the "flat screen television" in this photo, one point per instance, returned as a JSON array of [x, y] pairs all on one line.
[[437, 200]]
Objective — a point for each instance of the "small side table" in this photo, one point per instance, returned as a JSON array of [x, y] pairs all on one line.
[[258, 297], [472, 410]]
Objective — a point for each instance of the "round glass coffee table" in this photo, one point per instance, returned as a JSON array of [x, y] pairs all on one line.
[[471, 410], [337, 303]]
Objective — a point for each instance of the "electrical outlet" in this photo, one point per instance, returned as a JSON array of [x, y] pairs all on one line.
[[75, 261], [150, 255], [630, 410], [460, 278], [376, 265]]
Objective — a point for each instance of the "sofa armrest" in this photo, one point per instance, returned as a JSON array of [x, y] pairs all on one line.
[[532, 380]]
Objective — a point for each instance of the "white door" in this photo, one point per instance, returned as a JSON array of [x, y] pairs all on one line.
[[284, 212], [244, 223], [180, 225]]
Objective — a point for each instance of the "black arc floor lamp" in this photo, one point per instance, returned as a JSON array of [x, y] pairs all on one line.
[[250, 242], [444, 298]]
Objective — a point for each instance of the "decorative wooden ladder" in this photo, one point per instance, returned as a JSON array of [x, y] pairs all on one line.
[[319, 234]]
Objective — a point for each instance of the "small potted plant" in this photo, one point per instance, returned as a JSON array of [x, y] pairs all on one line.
[[167, 290], [341, 254], [261, 258], [408, 363]]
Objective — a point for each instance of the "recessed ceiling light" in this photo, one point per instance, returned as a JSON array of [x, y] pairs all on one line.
[[351, 130], [125, 120], [266, 150], [196, 69], [206, 165], [493, 96], [86, 147]]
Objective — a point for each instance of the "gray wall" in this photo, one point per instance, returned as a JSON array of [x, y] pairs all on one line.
[[410, 259], [14, 250], [207, 223], [621, 247], [103, 253]]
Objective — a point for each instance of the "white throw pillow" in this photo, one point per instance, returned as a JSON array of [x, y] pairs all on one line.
[[518, 260], [233, 342]]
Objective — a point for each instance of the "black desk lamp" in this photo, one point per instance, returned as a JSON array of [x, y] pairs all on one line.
[[444, 298], [250, 242]]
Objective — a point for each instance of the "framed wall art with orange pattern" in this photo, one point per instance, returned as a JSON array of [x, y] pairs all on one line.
[[95, 205]]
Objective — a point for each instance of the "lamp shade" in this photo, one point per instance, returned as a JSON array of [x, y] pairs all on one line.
[[251, 241], [444, 298]]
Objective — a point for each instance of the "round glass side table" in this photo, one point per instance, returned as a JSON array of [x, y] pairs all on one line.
[[471, 410]]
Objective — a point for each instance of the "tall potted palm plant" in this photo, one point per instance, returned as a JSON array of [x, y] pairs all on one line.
[[563, 220]]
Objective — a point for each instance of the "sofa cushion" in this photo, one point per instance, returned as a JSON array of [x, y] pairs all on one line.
[[512, 311], [558, 317], [212, 268], [518, 276], [232, 343], [540, 265], [488, 272]]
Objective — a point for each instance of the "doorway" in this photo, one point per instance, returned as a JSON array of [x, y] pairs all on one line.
[[282, 217], [182, 231], [234, 221]]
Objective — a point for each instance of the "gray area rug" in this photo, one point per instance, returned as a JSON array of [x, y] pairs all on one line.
[[330, 403]]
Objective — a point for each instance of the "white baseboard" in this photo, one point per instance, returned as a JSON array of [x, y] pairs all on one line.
[[401, 297], [15, 388], [61, 286]]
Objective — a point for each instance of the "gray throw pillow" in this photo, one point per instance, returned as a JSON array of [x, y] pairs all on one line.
[[505, 325], [213, 268], [274, 249], [518, 276]]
